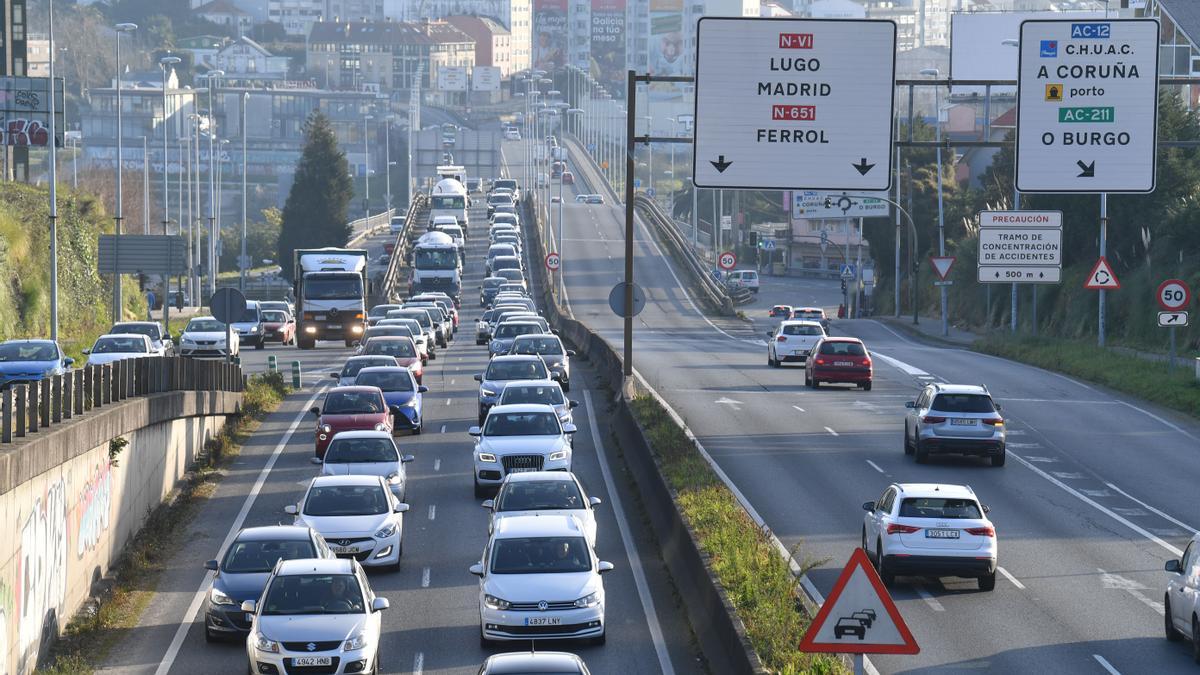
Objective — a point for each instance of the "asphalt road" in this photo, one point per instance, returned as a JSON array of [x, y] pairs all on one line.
[[433, 623], [1098, 493]]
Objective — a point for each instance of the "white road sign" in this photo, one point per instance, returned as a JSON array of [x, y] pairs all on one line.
[[485, 78], [1020, 247], [794, 103], [817, 204], [1087, 105], [452, 78], [1172, 319]]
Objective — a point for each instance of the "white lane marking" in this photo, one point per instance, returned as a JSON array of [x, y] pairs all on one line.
[[639, 576], [897, 363], [1010, 577], [190, 615], [1153, 510], [1106, 665], [437, 464], [1134, 588], [798, 408], [451, 381], [1156, 418], [432, 511], [419, 663], [425, 578], [443, 429], [1175, 551], [447, 401], [875, 466], [929, 599], [831, 431], [898, 336]]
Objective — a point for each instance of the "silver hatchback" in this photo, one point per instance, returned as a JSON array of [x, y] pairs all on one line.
[[956, 419]]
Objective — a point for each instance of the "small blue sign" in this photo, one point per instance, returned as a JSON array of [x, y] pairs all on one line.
[[649, 192], [768, 244], [1095, 31], [1049, 49], [847, 271], [637, 182]]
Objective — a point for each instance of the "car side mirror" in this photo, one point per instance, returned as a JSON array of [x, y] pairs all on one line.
[[475, 431], [998, 406], [315, 460], [604, 566], [489, 504], [291, 509], [986, 508], [868, 506], [910, 404], [570, 352], [405, 459], [68, 361], [1173, 566], [334, 375], [572, 404], [569, 428], [476, 569], [379, 604], [770, 333], [214, 565], [86, 351], [422, 389], [400, 508], [479, 378], [316, 410], [594, 501], [249, 606]]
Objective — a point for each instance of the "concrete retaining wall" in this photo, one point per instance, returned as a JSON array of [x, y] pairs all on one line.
[[67, 512]]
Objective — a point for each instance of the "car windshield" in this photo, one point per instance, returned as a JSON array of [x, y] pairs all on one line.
[[387, 331], [150, 330], [496, 200], [382, 310], [114, 345], [539, 495], [352, 403], [522, 424], [516, 370], [514, 329], [274, 316], [333, 287], [313, 594], [506, 183], [540, 555], [810, 314], [28, 351], [256, 557], [511, 275], [248, 315], [843, 349], [398, 379], [543, 394], [361, 451], [795, 329], [939, 507], [391, 347], [204, 326], [418, 316], [548, 346], [435, 259], [506, 263], [501, 249], [494, 282], [963, 403], [352, 366], [346, 500], [272, 304]]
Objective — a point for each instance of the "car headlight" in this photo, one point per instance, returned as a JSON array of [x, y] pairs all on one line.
[[394, 478], [355, 643], [492, 602], [264, 644], [410, 403], [252, 330], [388, 530], [556, 456], [487, 457], [381, 426], [325, 428], [219, 598], [589, 600]]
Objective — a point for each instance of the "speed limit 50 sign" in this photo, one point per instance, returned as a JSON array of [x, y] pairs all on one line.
[[1174, 295], [727, 260]]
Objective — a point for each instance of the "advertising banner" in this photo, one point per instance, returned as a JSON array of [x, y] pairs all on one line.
[[25, 110], [666, 47], [608, 45], [549, 34]]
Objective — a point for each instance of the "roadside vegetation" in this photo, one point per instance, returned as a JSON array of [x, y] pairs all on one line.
[[132, 580], [757, 580]]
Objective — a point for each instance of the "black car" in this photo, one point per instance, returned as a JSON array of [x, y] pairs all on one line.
[[849, 625]]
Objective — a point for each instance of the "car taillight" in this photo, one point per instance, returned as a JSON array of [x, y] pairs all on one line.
[[994, 421], [933, 419], [866, 361], [819, 361], [985, 531], [781, 339], [896, 528]]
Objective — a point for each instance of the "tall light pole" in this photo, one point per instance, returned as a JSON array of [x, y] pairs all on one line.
[[212, 186], [222, 152], [53, 161], [120, 213], [937, 111], [650, 155], [165, 63], [1016, 204], [242, 262], [366, 169], [145, 185], [387, 159]]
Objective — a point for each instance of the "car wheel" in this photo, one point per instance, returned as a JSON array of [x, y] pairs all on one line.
[[417, 430], [885, 575], [867, 386], [814, 383], [1172, 634], [921, 453], [988, 583], [478, 490], [771, 362], [1195, 639], [998, 460], [908, 449]]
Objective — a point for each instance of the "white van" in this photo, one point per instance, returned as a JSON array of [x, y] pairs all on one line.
[[742, 279]]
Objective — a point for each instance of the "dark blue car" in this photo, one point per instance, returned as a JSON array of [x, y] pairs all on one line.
[[26, 361], [242, 574], [400, 390]]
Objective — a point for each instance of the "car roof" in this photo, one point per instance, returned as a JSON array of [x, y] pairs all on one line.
[[531, 383], [385, 338], [947, 490], [554, 525], [520, 321], [138, 323], [208, 317], [840, 338], [314, 566], [354, 389], [384, 369], [109, 335], [523, 408], [274, 533], [352, 479], [364, 433], [513, 663], [962, 389], [504, 358], [526, 476], [808, 309], [373, 357], [539, 336], [800, 322]]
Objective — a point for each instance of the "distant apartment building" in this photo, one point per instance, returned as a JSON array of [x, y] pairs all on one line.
[[246, 60], [352, 55], [493, 42], [37, 55], [515, 15], [356, 10], [296, 16], [225, 13]]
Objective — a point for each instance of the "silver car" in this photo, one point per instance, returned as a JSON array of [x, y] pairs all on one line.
[[547, 392], [954, 418], [366, 453], [550, 348], [534, 662]]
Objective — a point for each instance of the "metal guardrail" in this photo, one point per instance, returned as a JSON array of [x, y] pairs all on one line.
[[27, 408], [369, 227], [418, 212], [709, 289]]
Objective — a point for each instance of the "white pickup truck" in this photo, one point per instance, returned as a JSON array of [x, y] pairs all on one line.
[[792, 341]]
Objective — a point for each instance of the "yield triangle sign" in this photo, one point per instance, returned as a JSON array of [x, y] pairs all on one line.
[[942, 265], [859, 616], [1102, 277]]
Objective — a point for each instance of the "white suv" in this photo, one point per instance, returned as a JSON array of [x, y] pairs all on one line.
[[1181, 602], [792, 341], [539, 578], [929, 529], [519, 438]]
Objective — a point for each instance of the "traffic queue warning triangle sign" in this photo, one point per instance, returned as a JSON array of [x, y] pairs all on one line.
[[1102, 277], [942, 265], [859, 616]]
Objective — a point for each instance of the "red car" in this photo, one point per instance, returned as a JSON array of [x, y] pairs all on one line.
[[350, 409], [780, 312], [568, 178], [401, 348], [278, 326], [839, 359]]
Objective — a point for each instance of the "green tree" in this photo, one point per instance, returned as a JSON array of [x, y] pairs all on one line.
[[315, 212]]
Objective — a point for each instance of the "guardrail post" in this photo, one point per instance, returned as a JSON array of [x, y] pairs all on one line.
[[295, 374], [272, 363], [128, 381], [44, 400], [34, 413], [6, 415], [67, 403], [56, 399], [94, 387], [106, 383], [79, 389], [22, 416]]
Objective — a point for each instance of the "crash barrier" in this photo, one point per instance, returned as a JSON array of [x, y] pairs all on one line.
[[711, 292], [394, 279], [367, 227]]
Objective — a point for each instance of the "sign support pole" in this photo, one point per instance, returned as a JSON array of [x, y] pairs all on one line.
[[1171, 361], [1013, 318], [859, 667], [630, 134], [1103, 253]]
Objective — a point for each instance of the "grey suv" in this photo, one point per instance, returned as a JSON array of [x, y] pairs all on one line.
[[954, 418]]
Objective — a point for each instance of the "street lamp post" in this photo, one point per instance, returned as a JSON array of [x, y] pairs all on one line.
[[165, 63], [387, 159], [366, 170], [53, 162], [243, 263], [933, 72], [120, 214], [212, 187]]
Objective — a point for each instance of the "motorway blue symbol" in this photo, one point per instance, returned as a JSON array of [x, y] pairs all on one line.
[[1099, 31], [637, 182], [1049, 49]]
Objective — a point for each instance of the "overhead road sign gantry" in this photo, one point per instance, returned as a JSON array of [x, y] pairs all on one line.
[[794, 103], [1020, 247], [1087, 105]]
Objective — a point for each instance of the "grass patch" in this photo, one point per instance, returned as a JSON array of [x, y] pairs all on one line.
[[756, 578], [125, 592], [1146, 379]]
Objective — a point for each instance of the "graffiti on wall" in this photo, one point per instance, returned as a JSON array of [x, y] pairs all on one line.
[[41, 573], [91, 512]]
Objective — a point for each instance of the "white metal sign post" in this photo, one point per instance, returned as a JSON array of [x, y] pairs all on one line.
[[1087, 111], [1020, 247], [783, 104]]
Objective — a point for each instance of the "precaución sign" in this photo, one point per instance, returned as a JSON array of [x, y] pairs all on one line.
[[1020, 247]]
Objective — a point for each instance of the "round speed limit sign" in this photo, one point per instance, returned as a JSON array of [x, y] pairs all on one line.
[[1174, 295], [727, 260], [552, 261]]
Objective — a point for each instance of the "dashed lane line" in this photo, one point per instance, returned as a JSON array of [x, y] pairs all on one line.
[[1010, 577], [1106, 665]]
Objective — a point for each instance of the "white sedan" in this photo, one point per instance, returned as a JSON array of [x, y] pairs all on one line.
[[118, 347], [544, 493], [358, 516], [205, 336]]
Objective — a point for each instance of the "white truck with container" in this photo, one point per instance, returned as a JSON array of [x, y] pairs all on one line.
[[449, 196], [330, 288], [436, 266]]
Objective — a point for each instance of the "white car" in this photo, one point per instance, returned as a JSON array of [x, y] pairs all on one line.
[[319, 615], [511, 134], [1181, 601], [359, 517], [349, 372], [930, 529], [118, 347], [742, 279], [540, 579], [397, 225], [548, 392], [366, 453], [205, 336], [160, 341], [792, 341], [543, 493], [519, 438]]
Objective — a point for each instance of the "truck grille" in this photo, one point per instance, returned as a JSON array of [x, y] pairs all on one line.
[[522, 463]]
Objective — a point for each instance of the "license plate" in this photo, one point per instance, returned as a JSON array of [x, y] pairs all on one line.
[[344, 549], [319, 317], [543, 621], [941, 534], [522, 469], [799, 352], [312, 661], [333, 326], [962, 422], [843, 363]]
